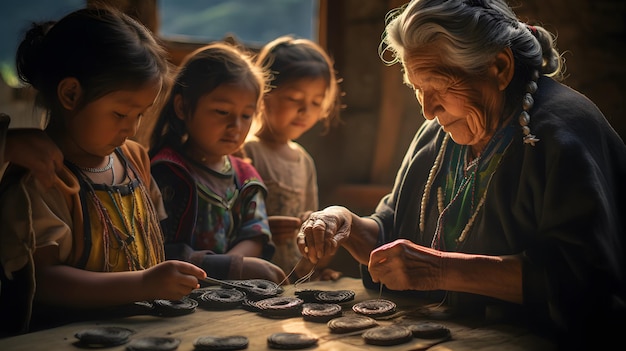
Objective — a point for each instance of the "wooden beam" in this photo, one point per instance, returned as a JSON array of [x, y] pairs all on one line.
[[392, 109]]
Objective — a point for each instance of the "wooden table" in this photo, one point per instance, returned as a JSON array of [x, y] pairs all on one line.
[[465, 335]]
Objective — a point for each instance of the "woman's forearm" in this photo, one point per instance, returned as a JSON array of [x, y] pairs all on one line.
[[496, 276], [363, 238]]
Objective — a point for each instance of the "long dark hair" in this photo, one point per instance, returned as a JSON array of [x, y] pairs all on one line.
[[288, 58], [200, 73], [105, 49]]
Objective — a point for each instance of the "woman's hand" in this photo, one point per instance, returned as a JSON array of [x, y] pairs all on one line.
[[404, 265], [172, 280], [323, 232], [32, 149]]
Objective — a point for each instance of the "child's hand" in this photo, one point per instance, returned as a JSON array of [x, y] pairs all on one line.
[[31, 148], [172, 280], [258, 268]]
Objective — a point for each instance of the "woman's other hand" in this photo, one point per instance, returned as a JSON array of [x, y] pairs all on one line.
[[404, 265]]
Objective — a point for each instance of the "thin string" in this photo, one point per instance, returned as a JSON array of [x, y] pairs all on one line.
[[305, 277], [302, 279], [290, 273]]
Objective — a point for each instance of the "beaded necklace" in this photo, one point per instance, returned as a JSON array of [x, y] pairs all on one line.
[[108, 166], [132, 229], [128, 245], [463, 188]]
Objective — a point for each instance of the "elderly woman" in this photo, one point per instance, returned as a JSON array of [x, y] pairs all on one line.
[[510, 195]]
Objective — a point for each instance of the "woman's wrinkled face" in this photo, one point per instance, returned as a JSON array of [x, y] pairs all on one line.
[[467, 107]]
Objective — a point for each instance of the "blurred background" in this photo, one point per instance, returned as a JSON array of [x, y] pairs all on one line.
[[358, 159]]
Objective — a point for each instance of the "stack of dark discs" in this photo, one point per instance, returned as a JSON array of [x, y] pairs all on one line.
[[221, 299], [387, 335], [323, 305], [174, 308], [325, 296], [349, 324], [375, 308], [320, 312], [278, 307], [256, 289]]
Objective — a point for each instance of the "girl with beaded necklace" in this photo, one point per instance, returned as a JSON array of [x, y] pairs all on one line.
[[215, 201], [93, 240]]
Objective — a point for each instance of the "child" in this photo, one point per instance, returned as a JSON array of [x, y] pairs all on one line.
[[304, 92], [92, 240], [215, 202]]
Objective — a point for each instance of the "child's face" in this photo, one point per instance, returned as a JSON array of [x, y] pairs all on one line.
[[221, 121], [104, 124], [294, 107]]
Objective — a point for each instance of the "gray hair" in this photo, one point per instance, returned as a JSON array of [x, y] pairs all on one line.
[[470, 33]]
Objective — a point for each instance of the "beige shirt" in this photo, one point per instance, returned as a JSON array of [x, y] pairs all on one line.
[[291, 183]]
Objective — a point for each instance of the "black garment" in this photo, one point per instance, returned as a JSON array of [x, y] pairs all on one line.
[[560, 203]]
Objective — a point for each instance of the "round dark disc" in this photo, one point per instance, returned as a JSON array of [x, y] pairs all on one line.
[[280, 306], [221, 299], [257, 289], [152, 343], [387, 335], [290, 341], [428, 330], [173, 308], [103, 336], [334, 296], [375, 308], [215, 343], [320, 312], [349, 324]]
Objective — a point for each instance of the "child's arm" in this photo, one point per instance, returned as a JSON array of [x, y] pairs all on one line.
[[69, 286], [253, 234]]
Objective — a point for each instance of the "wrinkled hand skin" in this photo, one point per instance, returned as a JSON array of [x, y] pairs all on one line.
[[404, 265], [321, 235]]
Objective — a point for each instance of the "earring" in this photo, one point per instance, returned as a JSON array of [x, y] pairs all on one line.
[[527, 104]]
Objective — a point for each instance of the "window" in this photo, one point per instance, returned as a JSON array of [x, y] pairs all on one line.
[[251, 22]]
